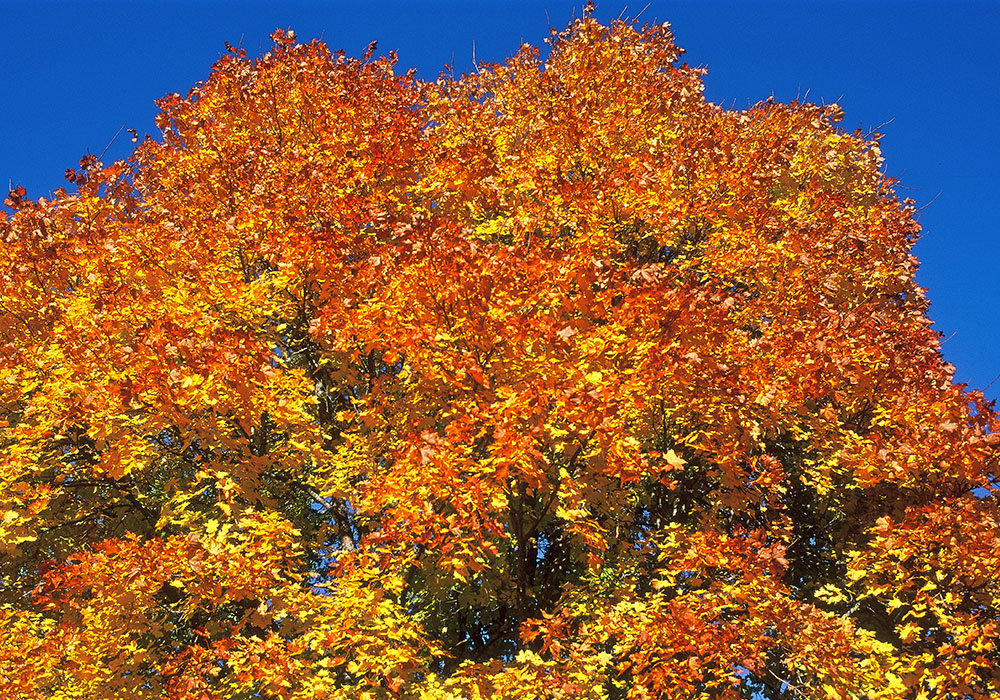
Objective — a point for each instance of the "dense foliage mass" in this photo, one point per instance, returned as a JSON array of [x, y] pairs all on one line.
[[550, 381]]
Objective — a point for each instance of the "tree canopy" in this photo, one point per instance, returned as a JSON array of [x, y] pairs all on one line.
[[554, 380]]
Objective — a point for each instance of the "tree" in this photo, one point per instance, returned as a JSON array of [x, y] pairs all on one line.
[[554, 380]]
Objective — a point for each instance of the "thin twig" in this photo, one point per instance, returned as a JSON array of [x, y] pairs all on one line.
[[117, 133]]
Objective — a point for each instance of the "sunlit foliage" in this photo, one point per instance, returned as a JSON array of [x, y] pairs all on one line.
[[550, 381]]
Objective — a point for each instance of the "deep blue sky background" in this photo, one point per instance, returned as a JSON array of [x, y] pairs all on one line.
[[72, 73]]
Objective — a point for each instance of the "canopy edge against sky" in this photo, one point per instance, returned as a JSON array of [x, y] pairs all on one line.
[[72, 74]]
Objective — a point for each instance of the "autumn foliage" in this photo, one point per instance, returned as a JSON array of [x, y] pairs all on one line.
[[550, 381]]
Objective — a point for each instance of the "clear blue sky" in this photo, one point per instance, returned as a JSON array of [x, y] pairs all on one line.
[[72, 73]]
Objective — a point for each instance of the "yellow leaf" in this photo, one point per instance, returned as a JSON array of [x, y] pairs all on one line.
[[674, 460], [908, 630]]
